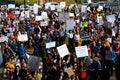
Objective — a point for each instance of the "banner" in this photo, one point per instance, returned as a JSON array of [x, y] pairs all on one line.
[[50, 44], [70, 24], [81, 51], [38, 18], [23, 37], [3, 39], [33, 62], [63, 50]]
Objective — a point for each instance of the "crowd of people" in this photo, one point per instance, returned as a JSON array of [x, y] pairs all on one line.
[[104, 54]]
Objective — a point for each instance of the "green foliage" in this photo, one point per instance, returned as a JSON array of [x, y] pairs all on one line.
[[27, 1]]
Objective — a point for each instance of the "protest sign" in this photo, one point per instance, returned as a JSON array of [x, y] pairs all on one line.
[[33, 62], [85, 38], [81, 51], [70, 24], [100, 20], [35, 9], [22, 37], [63, 50], [83, 8], [62, 5], [100, 7], [63, 16], [71, 14], [52, 7], [110, 18], [44, 23], [27, 15], [11, 6], [50, 44], [70, 71], [44, 15], [108, 55], [3, 39], [38, 18], [109, 40], [17, 12]]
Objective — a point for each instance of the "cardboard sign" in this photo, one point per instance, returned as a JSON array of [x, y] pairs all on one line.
[[63, 50], [50, 45], [11, 6], [83, 8], [100, 20], [3, 39], [63, 16], [38, 18], [70, 71], [44, 23], [33, 62], [44, 15], [23, 37], [62, 5], [111, 18], [81, 51], [108, 55], [70, 24]]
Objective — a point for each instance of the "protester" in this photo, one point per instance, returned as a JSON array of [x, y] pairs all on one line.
[[26, 40]]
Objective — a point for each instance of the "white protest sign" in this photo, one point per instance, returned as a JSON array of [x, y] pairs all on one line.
[[100, 7], [89, 1], [35, 9], [110, 18], [119, 15], [109, 40], [52, 7], [83, 8], [17, 12], [44, 15], [81, 51], [71, 14], [3, 39], [38, 18], [22, 37], [44, 23], [27, 14], [70, 24], [62, 5], [100, 20], [11, 6], [47, 5], [50, 44], [63, 50], [63, 16]]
